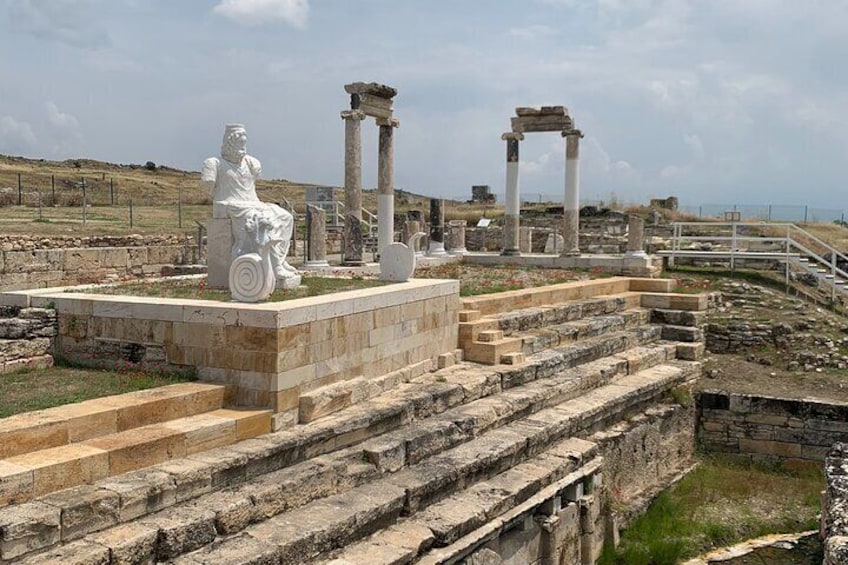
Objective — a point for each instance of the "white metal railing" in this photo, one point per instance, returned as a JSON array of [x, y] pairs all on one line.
[[796, 247], [335, 214]]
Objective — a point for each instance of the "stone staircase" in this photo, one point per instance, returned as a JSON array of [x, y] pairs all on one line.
[[431, 467]]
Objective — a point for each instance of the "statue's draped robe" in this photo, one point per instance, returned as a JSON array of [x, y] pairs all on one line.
[[233, 190]]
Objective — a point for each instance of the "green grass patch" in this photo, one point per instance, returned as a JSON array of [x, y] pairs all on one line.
[[487, 279], [37, 389], [196, 288], [722, 502]]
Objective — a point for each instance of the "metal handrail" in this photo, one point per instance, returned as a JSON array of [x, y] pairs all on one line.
[[830, 264]]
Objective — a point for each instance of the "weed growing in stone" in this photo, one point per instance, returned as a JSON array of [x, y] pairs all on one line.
[[720, 503]]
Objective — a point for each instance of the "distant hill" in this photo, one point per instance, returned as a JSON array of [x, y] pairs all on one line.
[[145, 182]]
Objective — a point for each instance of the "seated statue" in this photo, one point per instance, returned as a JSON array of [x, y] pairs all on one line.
[[230, 181]]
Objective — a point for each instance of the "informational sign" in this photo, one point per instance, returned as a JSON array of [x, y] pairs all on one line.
[[484, 223]]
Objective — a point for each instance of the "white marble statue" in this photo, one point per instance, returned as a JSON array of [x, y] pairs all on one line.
[[230, 181]]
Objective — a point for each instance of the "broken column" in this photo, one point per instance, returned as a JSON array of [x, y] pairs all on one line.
[[385, 184], [457, 232], [316, 237], [571, 202], [352, 251], [513, 200], [635, 236], [437, 228], [373, 100]]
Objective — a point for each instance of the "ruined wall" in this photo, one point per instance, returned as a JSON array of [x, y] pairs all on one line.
[[768, 428], [644, 454], [640, 457], [834, 520], [34, 262], [27, 337]]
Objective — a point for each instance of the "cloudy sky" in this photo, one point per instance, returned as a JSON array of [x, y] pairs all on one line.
[[731, 101]]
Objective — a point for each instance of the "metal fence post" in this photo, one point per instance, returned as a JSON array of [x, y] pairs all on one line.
[[53, 188], [805, 214], [112, 191], [131, 214], [20, 191], [84, 211]]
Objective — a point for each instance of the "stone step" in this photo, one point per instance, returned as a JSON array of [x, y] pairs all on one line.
[[569, 332], [490, 352], [277, 482], [468, 472], [444, 522], [564, 292], [526, 319], [72, 423], [489, 336], [37, 473], [469, 315], [513, 358]]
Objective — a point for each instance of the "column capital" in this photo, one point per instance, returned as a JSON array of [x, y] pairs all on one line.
[[390, 122], [512, 136], [353, 115], [572, 133]]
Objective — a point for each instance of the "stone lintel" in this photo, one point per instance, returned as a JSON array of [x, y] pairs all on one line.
[[572, 133], [512, 136], [353, 115], [375, 107], [522, 111], [393, 122], [541, 123], [371, 88]]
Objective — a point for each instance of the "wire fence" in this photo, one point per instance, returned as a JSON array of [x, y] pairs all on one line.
[[768, 212]]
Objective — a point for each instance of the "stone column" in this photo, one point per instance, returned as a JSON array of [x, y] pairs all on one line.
[[525, 239], [457, 228], [635, 236], [513, 200], [353, 188], [385, 184], [437, 228], [316, 237], [571, 203]]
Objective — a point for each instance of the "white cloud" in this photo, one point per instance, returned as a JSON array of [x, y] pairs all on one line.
[[531, 32], [671, 171], [16, 136], [65, 21], [258, 12], [60, 120]]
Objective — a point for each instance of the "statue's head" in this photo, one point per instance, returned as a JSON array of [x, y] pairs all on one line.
[[234, 146]]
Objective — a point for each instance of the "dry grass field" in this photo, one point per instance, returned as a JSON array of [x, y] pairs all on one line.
[[157, 194]]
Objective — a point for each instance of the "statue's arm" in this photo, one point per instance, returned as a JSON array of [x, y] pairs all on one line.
[[209, 175], [255, 166]]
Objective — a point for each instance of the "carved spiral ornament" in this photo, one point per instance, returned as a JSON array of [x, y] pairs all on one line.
[[251, 280]]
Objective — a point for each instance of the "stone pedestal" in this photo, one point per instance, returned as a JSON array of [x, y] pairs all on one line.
[[437, 228], [512, 202], [413, 227], [219, 242], [525, 239], [316, 237], [457, 237], [353, 188], [571, 203], [635, 236]]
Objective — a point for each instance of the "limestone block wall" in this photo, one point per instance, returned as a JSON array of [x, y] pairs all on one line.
[[29, 262], [834, 520], [773, 429], [27, 337], [644, 454], [569, 523], [270, 353]]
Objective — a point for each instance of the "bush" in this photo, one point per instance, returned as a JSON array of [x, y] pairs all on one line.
[[150, 166]]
